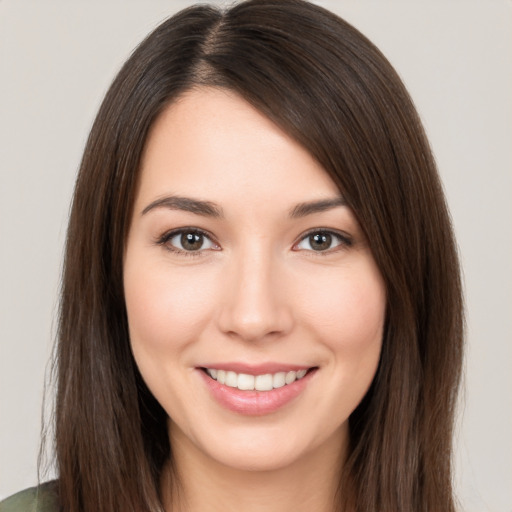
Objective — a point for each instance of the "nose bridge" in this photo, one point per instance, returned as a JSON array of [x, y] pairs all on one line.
[[255, 305]]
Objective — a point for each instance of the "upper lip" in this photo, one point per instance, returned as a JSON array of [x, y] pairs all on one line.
[[256, 369]]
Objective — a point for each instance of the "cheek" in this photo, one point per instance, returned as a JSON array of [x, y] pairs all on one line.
[[167, 307], [347, 318], [347, 309]]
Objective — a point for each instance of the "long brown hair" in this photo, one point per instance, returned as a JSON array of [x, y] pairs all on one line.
[[331, 89]]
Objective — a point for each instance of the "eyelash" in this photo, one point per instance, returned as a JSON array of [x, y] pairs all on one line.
[[169, 235], [345, 241]]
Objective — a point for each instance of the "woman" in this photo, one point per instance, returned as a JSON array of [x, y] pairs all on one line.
[[261, 302]]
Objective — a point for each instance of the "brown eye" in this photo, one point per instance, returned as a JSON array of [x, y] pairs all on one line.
[[191, 241], [320, 241], [323, 241], [187, 241]]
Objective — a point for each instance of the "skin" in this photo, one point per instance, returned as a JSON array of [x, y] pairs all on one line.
[[256, 291]]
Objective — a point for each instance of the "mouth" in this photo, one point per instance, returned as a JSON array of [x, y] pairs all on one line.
[[262, 382], [256, 392]]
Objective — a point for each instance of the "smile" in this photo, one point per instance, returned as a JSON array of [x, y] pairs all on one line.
[[256, 391], [246, 382]]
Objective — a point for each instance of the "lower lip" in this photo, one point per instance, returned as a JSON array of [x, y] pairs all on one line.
[[255, 403]]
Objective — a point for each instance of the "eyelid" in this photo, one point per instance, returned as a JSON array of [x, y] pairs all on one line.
[[169, 235], [344, 238]]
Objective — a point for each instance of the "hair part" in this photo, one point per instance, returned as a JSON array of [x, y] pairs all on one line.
[[332, 90]]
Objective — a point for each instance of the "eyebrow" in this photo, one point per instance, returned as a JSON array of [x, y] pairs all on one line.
[[310, 207], [197, 206], [209, 209]]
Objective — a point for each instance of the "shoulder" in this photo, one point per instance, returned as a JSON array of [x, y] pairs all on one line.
[[42, 498]]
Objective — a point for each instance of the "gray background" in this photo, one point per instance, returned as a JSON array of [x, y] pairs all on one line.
[[57, 59]]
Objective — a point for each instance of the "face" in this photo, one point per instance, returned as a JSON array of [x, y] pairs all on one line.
[[255, 307]]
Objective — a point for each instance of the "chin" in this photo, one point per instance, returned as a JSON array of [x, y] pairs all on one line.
[[256, 460], [266, 448]]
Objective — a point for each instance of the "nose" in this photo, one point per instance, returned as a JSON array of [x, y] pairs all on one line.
[[255, 301]]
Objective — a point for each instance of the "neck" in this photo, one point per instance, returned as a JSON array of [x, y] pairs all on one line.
[[196, 483]]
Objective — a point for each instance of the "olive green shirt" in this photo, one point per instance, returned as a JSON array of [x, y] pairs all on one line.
[[36, 499]]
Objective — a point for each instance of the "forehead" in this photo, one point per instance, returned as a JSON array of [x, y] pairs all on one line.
[[211, 143]]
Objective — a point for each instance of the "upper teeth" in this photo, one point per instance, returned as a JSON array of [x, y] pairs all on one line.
[[247, 382]]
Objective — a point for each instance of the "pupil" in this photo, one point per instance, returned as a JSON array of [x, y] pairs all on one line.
[[320, 241], [191, 241]]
